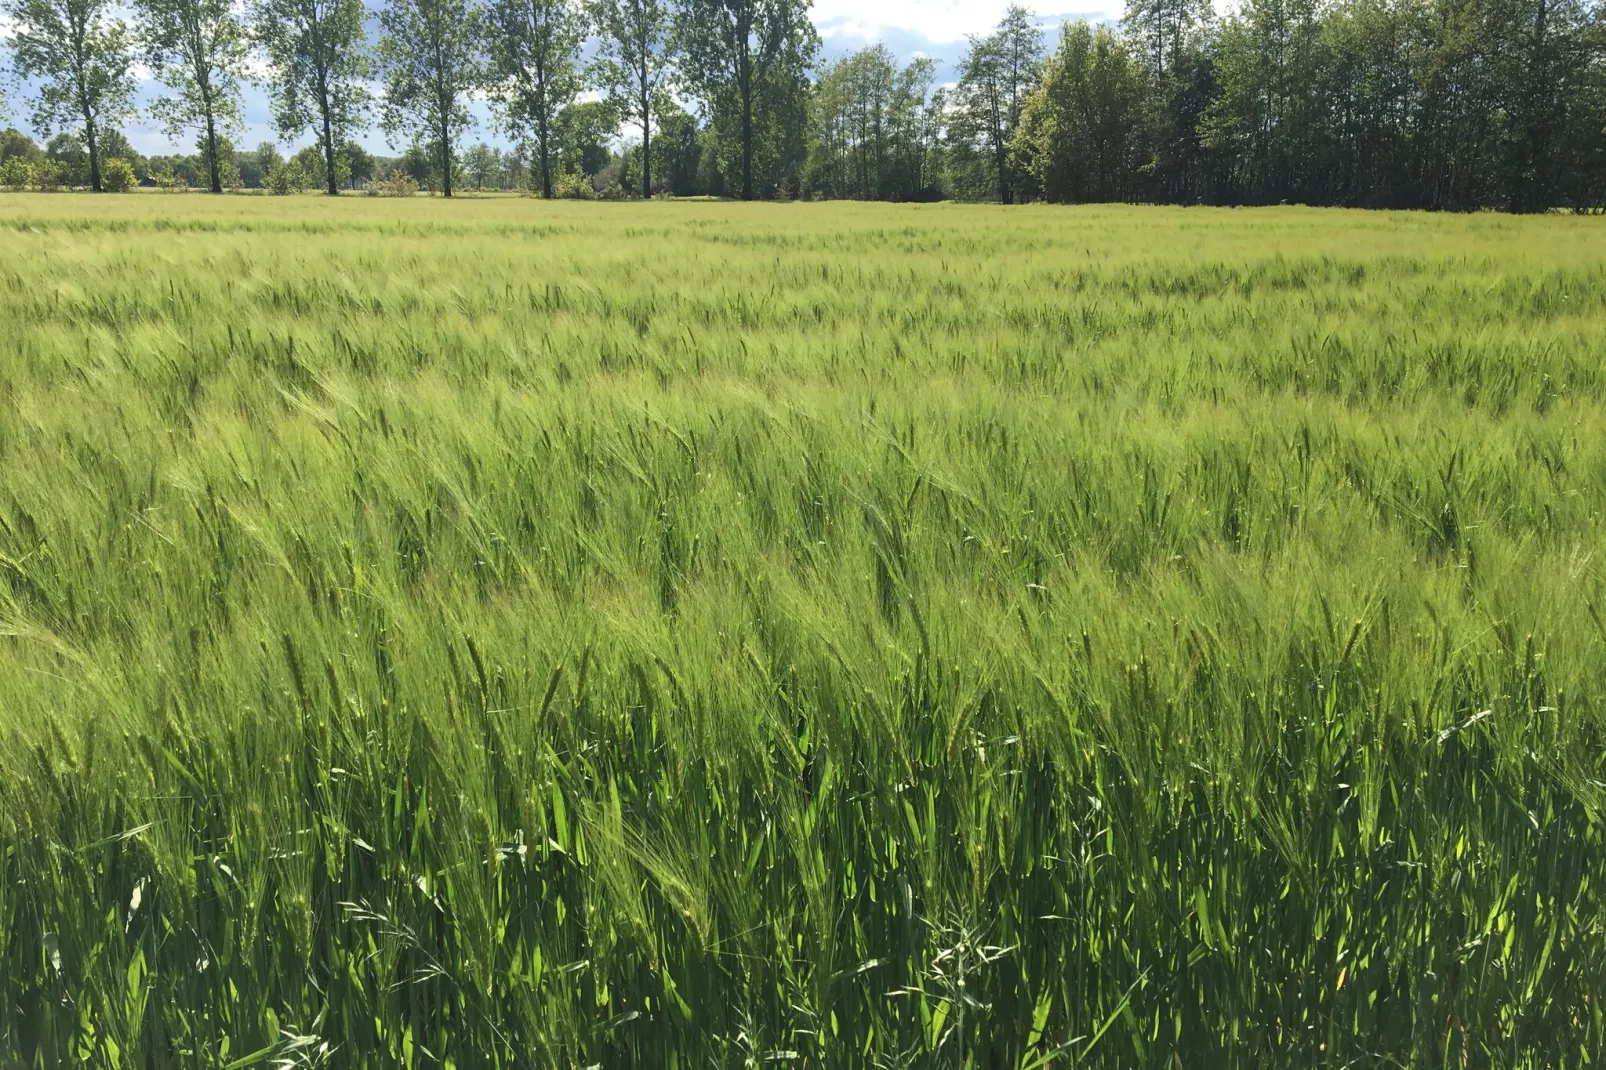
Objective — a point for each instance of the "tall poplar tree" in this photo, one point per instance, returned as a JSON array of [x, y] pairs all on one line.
[[535, 71], [1162, 29], [198, 49], [995, 77], [430, 51], [633, 66], [733, 50], [319, 68], [82, 59]]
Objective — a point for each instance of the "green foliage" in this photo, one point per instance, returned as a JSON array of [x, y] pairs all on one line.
[[574, 186], [67, 152], [677, 153], [284, 178], [1163, 32], [319, 66], [14, 143], [875, 127], [430, 54], [46, 175], [395, 184], [354, 164], [534, 58], [199, 50], [634, 65], [117, 176], [1414, 103], [1443, 104], [1079, 133], [170, 181], [15, 173], [997, 75], [314, 171], [690, 635], [582, 134], [482, 165], [747, 60], [267, 157], [1267, 119], [80, 59]]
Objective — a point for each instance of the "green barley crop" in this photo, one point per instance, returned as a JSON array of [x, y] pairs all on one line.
[[502, 634]]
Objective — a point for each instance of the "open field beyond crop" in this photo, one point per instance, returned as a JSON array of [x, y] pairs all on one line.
[[508, 634]]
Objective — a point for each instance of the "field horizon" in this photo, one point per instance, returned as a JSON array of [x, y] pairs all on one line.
[[500, 632]]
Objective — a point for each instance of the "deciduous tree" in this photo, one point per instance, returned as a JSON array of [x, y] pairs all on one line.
[[633, 66], [535, 70], [320, 70], [198, 49], [873, 124], [1081, 130], [734, 51], [81, 58], [997, 73], [430, 52]]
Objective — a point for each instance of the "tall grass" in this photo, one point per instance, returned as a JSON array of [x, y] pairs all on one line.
[[500, 634]]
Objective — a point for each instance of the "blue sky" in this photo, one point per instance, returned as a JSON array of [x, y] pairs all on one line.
[[936, 28]]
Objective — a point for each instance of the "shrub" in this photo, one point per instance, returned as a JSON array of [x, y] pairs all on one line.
[[15, 173], [284, 178], [395, 184], [117, 175], [47, 176], [574, 187], [171, 181]]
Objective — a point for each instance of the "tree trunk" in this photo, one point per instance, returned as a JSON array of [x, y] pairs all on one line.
[[747, 139], [446, 160], [94, 150], [546, 161], [646, 147], [1533, 194], [329, 150], [214, 167]]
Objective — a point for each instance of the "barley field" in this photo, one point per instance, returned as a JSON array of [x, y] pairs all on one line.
[[512, 634]]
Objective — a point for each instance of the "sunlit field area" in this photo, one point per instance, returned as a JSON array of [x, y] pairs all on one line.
[[518, 634]]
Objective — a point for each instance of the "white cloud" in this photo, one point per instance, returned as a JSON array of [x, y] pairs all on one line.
[[937, 21]]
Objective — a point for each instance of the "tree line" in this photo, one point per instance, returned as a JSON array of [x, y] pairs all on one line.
[[1450, 104]]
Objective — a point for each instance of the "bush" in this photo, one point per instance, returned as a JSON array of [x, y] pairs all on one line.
[[395, 184], [15, 173], [47, 176], [117, 175], [284, 178], [171, 181], [574, 187]]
